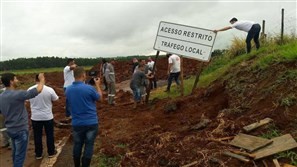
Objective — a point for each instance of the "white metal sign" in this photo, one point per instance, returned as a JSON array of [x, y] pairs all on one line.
[[185, 40]]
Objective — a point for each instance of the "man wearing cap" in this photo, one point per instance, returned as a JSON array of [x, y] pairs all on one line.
[[252, 28]]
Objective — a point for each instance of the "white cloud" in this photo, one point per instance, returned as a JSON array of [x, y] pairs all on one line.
[[119, 28]]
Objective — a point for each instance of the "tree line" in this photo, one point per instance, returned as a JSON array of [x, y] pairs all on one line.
[[49, 62]]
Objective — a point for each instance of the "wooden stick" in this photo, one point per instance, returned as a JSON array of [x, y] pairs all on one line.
[[219, 141], [199, 70], [255, 125], [239, 157], [226, 138], [191, 164], [264, 163], [243, 153], [275, 162]]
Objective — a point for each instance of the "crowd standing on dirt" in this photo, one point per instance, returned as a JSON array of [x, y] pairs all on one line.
[[253, 29], [109, 75], [82, 99], [12, 106], [138, 84], [42, 117], [68, 79], [173, 70]]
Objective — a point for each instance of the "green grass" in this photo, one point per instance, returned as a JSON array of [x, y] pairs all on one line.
[[220, 66], [291, 155], [40, 70], [276, 54], [287, 75], [288, 101], [108, 161], [174, 92], [272, 132]]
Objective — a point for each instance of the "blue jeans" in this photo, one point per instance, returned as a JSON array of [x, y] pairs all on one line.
[[19, 141], [68, 109], [49, 132], [136, 94], [253, 34], [171, 77], [84, 136]]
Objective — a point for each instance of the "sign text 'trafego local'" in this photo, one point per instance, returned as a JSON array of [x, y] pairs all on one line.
[[192, 42]]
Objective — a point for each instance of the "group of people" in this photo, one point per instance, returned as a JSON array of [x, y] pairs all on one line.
[[144, 76], [80, 108], [81, 101], [12, 107]]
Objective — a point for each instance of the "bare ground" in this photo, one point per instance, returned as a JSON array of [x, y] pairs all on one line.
[[152, 136]]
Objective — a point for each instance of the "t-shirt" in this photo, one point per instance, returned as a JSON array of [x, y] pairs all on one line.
[[12, 106], [151, 65], [146, 69], [175, 60], [109, 73], [41, 105], [243, 25], [134, 66], [82, 100], [68, 76], [138, 79]]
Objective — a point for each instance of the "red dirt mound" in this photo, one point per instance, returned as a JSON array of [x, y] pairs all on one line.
[[152, 135]]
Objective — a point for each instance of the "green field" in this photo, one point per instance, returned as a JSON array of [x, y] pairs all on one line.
[[39, 70]]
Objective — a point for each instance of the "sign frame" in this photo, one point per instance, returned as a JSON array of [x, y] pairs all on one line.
[[185, 42]]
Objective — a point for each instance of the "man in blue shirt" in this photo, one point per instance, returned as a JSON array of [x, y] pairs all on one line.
[[82, 100]]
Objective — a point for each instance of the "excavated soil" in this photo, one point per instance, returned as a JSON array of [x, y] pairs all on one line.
[[163, 133]]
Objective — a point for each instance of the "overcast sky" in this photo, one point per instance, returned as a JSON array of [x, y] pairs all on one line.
[[122, 28]]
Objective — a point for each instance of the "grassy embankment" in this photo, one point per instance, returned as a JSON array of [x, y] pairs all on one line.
[[270, 52]]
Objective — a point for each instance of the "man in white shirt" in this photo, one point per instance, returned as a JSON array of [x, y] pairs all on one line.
[[153, 81], [253, 29], [68, 79], [173, 70], [42, 116]]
